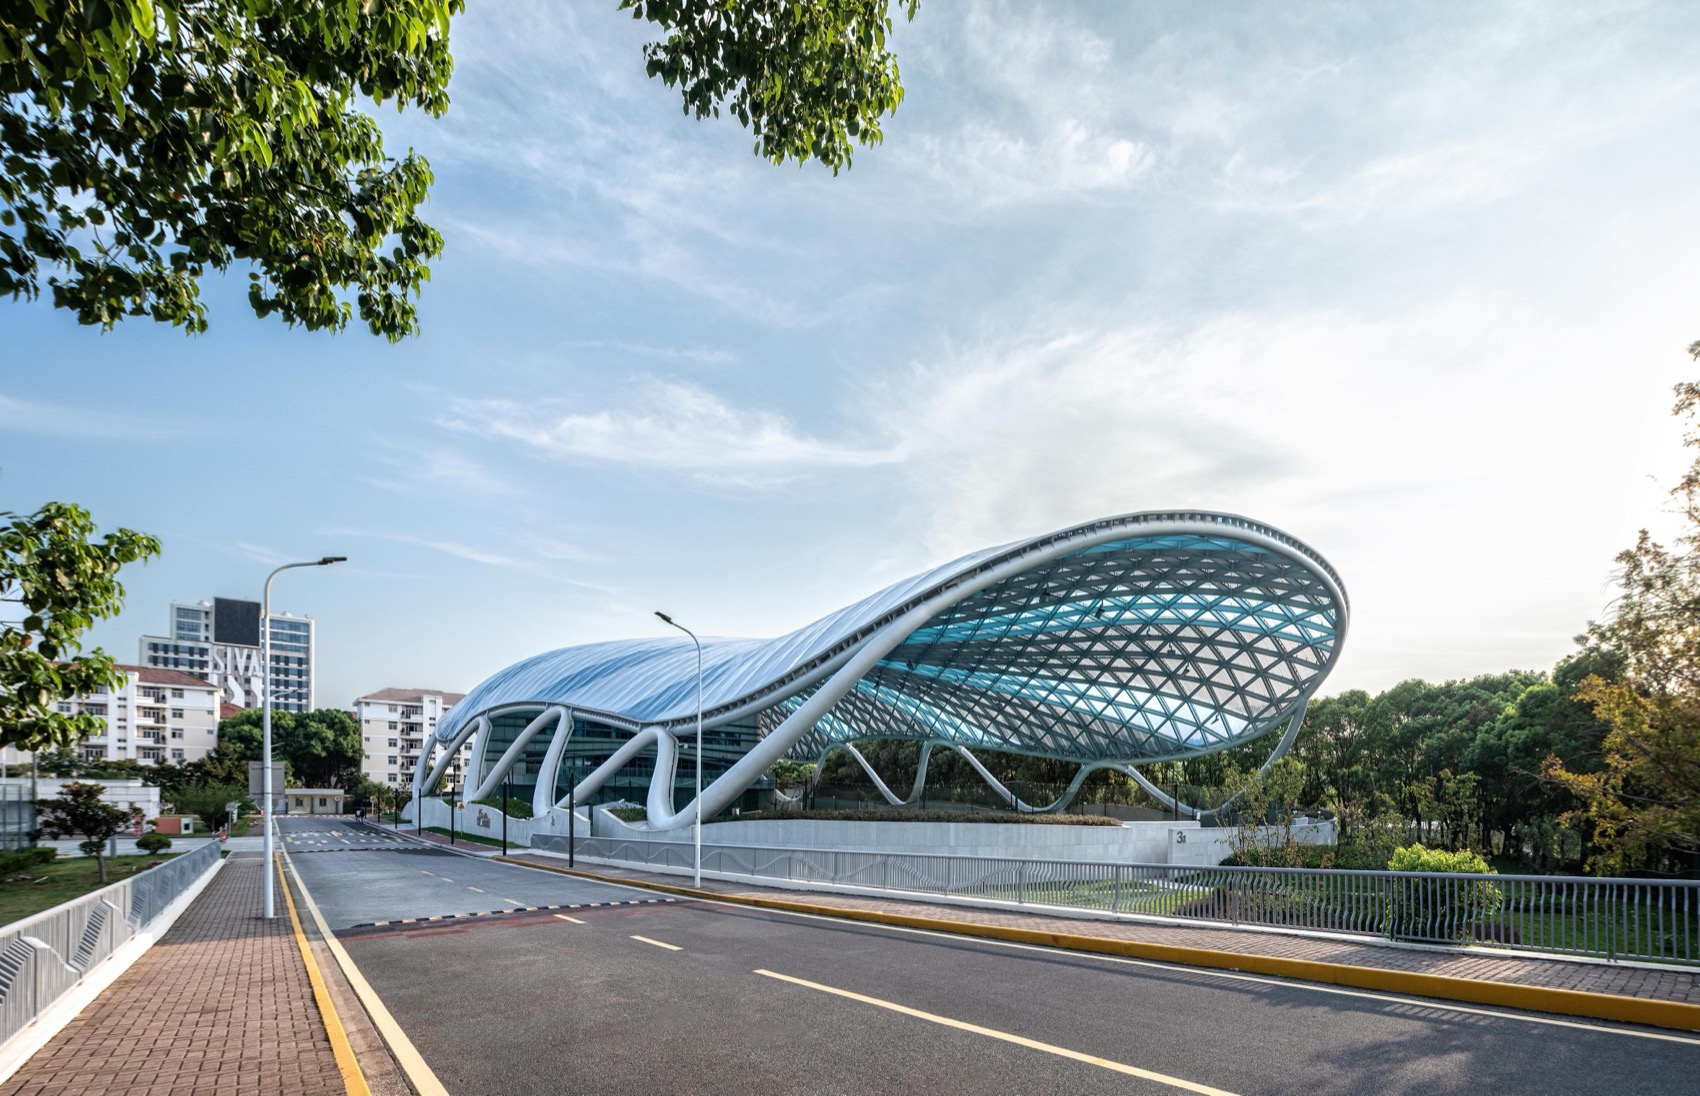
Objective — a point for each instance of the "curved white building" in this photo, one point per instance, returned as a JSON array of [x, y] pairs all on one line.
[[1141, 638]]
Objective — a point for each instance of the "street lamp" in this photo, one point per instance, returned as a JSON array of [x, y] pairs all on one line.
[[266, 714], [697, 878]]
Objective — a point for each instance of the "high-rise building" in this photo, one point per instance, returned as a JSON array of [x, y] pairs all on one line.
[[219, 642], [394, 724], [158, 715]]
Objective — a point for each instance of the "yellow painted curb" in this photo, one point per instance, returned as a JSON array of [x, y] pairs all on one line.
[[1565, 1002], [407, 1056], [352, 1079]]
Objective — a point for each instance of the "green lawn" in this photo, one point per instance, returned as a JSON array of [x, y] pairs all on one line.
[[462, 835], [39, 888]]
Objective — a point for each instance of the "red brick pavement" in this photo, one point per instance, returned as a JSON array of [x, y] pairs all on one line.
[[220, 1005], [1593, 977]]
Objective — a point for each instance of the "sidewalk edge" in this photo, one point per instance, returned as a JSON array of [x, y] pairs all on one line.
[[353, 1080], [56, 1016], [1565, 1002]]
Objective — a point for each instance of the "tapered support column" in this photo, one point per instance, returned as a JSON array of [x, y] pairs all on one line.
[[515, 751]]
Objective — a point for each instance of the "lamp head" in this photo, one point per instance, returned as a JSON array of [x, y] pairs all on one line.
[[663, 616], [333, 559]]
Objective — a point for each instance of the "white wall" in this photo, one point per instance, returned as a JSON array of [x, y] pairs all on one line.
[[123, 794], [1169, 842]]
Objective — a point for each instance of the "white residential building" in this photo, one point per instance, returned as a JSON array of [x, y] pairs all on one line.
[[394, 724], [219, 641], [158, 715]]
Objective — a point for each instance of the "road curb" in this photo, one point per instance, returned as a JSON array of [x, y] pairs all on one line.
[[1565, 1002], [353, 1079]]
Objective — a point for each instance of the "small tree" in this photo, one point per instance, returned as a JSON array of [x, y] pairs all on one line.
[[153, 843], [80, 811], [207, 801]]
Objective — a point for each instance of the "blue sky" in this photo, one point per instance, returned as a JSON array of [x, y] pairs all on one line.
[[1412, 284]]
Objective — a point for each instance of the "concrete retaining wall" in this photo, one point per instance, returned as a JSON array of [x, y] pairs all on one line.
[[1130, 843]]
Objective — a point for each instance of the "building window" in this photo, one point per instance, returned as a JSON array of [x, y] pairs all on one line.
[[176, 755], [177, 713], [392, 778], [392, 743], [392, 725], [321, 801], [391, 759]]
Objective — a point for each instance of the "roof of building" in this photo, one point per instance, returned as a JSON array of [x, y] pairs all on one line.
[[154, 675], [226, 709], [1141, 637], [412, 694]]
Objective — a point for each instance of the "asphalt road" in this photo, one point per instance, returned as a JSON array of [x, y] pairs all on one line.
[[697, 996]]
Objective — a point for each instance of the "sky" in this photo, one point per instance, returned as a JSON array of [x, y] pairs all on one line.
[[1411, 284]]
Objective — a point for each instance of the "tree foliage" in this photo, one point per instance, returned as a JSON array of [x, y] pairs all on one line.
[[144, 144], [207, 800], [810, 78], [58, 576], [322, 748], [148, 142], [79, 811], [1644, 802]]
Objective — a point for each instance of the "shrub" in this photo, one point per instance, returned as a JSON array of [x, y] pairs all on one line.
[[882, 814], [1440, 909], [153, 843], [512, 807], [20, 859], [630, 814]]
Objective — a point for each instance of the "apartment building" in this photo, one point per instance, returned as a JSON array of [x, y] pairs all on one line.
[[219, 641], [394, 724], [158, 715]]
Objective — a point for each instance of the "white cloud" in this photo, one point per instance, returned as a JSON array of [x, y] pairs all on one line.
[[65, 421], [671, 426]]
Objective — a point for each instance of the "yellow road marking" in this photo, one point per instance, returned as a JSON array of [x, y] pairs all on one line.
[[992, 1033], [659, 944], [352, 1079], [407, 1056], [574, 920]]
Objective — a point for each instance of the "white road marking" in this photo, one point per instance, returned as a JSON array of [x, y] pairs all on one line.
[[574, 920], [1004, 1036], [659, 944]]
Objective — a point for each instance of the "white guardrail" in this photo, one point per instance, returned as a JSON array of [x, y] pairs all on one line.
[[44, 956], [1646, 920]]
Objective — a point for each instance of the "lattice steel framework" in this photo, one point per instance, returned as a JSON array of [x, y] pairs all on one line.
[[1135, 639]]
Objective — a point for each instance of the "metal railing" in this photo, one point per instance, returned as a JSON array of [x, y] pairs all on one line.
[[44, 956], [1649, 920]]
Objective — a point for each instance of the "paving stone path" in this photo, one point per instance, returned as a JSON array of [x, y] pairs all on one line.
[[220, 1005], [1593, 977]]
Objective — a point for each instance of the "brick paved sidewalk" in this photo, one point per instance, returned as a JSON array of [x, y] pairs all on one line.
[[220, 1005], [1666, 985]]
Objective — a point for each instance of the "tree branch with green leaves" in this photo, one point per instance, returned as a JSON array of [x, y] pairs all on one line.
[[60, 576]]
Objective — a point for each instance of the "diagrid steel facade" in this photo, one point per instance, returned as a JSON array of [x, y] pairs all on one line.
[[1141, 638]]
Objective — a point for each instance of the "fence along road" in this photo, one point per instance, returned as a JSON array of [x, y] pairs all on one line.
[[45, 956], [1647, 920]]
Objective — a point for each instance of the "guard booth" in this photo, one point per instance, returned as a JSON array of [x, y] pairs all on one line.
[[313, 801]]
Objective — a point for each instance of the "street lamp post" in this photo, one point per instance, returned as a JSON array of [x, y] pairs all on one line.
[[697, 877], [266, 715]]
